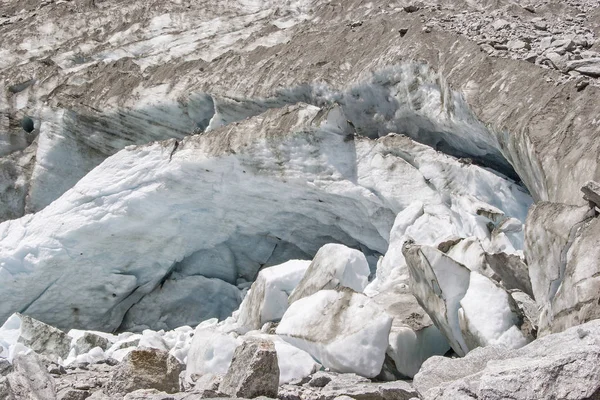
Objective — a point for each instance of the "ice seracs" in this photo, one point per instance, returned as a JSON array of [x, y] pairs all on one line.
[[343, 330]]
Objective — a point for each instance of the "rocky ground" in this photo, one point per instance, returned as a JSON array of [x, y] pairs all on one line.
[[300, 199]]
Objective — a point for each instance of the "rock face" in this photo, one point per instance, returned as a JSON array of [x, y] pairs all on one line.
[[30, 380], [334, 266], [146, 369], [253, 372], [343, 330], [35, 335], [563, 365], [268, 297]]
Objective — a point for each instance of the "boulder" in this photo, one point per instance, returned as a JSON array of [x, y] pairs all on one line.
[[253, 371], [343, 330], [30, 380], [90, 340], [511, 270], [334, 266], [558, 366], [591, 192], [36, 335], [146, 369], [5, 367], [268, 296]]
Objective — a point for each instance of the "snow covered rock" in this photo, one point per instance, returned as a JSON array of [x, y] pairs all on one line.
[[563, 365], [334, 266], [268, 296], [146, 369], [23, 331], [490, 316], [343, 330], [439, 283], [253, 372]]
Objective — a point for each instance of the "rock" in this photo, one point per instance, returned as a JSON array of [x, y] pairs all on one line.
[[518, 45], [30, 380], [591, 192], [146, 369], [589, 66], [343, 330], [74, 394], [334, 266], [563, 365], [38, 336], [348, 386], [268, 296], [559, 62], [253, 371], [512, 271], [5, 367], [90, 340], [439, 283], [539, 23], [500, 24]]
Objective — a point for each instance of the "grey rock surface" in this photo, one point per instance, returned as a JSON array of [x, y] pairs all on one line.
[[253, 371], [145, 369], [30, 380]]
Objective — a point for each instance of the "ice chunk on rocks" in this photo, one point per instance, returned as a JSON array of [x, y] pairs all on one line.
[[268, 297], [334, 266], [343, 330]]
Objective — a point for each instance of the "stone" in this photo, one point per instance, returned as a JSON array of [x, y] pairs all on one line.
[[518, 45], [557, 61], [253, 371], [586, 66], [30, 380], [74, 394], [5, 367], [562, 366], [38, 336], [146, 369], [500, 24], [90, 340], [334, 266], [591, 192], [539, 23], [512, 271]]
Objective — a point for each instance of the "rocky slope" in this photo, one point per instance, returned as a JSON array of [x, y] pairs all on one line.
[[299, 199]]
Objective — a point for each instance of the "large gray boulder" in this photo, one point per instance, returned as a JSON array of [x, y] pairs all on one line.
[[253, 372], [30, 380], [146, 369], [36, 335], [558, 366]]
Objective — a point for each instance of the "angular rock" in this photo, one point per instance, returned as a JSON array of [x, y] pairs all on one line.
[[30, 380], [334, 266], [591, 192], [5, 367], [90, 340], [512, 271], [36, 335], [500, 24], [589, 66], [268, 296], [561, 366], [253, 372], [74, 394], [343, 330], [146, 369]]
